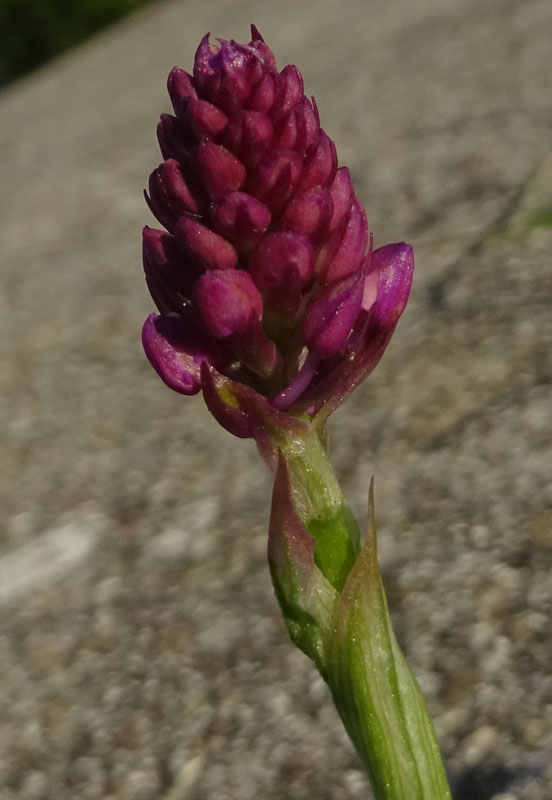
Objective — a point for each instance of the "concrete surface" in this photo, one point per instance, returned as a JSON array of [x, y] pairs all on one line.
[[142, 652]]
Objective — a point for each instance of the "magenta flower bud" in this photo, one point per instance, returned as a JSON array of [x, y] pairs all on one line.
[[281, 266], [309, 213], [170, 280], [220, 170], [226, 75], [332, 313], [321, 165], [171, 195], [275, 179], [346, 248], [393, 264], [180, 87], [298, 129], [263, 95], [228, 301], [341, 191], [242, 220], [289, 90], [268, 252], [205, 247], [249, 135], [175, 139], [205, 120]]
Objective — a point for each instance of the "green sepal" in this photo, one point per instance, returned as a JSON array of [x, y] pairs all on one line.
[[306, 598], [375, 691]]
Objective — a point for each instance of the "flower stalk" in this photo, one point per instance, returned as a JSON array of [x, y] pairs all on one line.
[[331, 593], [275, 305]]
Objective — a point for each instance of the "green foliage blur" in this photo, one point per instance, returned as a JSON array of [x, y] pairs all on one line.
[[33, 31]]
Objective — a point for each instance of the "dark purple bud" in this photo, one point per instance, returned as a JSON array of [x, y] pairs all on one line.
[[347, 247], [175, 139], [264, 51], [263, 95], [158, 274], [169, 277], [176, 350], [249, 135], [180, 87], [321, 165], [282, 264], [332, 313], [299, 128], [220, 170], [225, 75], [170, 194], [341, 191], [275, 179], [289, 89], [242, 220], [309, 213], [205, 120], [286, 137], [207, 249], [227, 300]]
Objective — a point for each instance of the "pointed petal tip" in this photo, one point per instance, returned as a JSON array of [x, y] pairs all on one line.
[[255, 35]]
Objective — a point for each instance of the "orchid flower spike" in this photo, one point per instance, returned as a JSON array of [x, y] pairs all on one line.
[[265, 279]]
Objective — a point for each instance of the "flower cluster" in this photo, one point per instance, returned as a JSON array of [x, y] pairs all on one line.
[[265, 276]]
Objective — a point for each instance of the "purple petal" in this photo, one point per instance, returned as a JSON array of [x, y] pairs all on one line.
[[176, 350], [394, 264], [332, 314], [289, 89], [320, 167], [345, 255], [341, 191], [263, 95]]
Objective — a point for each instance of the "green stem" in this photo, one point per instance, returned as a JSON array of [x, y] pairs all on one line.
[[336, 611]]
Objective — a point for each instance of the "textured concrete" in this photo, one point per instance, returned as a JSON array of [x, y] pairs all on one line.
[[142, 651]]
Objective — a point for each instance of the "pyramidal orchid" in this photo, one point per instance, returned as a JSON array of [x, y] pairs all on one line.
[[274, 303]]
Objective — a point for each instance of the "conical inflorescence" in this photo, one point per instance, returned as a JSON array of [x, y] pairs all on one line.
[[265, 276]]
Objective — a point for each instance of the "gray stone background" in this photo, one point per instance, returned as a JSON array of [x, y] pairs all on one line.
[[142, 652]]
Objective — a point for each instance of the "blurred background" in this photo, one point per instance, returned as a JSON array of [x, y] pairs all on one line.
[[34, 31], [142, 652]]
